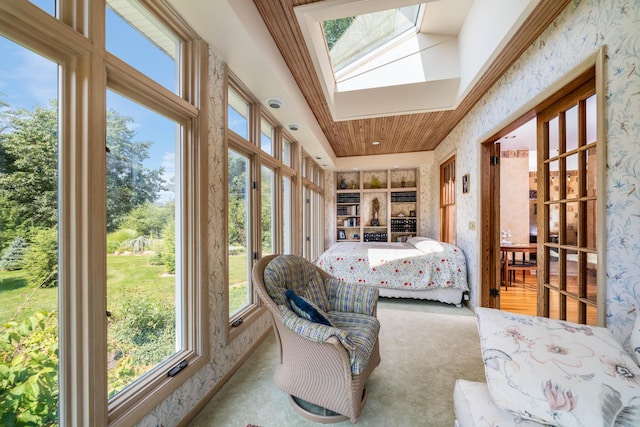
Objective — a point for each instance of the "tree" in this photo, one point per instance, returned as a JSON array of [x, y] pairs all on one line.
[[28, 170], [129, 183], [13, 256], [237, 182], [149, 219], [334, 28], [41, 260]]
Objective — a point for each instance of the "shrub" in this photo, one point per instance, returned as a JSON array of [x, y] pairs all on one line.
[[41, 260], [29, 371], [116, 238], [142, 330], [166, 252], [13, 256], [139, 244]]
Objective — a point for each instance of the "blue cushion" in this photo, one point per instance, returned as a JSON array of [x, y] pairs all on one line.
[[306, 309]]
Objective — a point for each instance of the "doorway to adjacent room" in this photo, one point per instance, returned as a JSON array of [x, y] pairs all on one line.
[[541, 177]]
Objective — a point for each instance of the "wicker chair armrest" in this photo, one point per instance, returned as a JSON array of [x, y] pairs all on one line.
[[351, 297], [314, 331]]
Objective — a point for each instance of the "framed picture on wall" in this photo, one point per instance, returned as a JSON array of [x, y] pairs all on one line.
[[465, 183]]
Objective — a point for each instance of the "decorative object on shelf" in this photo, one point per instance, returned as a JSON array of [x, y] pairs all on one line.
[[375, 182], [342, 235], [354, 186], [465, 183], [375, 204], [343, 184], [402, 184], [412, 213]]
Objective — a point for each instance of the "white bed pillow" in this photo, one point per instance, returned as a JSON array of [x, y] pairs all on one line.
[[427, 245], [557, 372], [416, 239]]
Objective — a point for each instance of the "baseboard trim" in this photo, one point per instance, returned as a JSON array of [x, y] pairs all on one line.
[[205, 399]]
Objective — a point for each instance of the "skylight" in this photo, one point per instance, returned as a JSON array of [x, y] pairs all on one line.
[[389, 57], [351, 38]]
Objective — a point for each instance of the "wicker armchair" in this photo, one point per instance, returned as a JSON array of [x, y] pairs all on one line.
[[320, 364]]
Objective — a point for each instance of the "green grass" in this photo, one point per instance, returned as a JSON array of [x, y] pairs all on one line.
[[237, 282], [15, 291], [237, 269], [128, 276], [133, 276]]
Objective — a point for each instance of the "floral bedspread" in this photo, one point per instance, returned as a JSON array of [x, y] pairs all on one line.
[[418, 264], [558, 373]]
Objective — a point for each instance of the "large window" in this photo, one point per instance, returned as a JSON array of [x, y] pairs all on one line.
[[313, 212], [113, 221], [263, 201], [29, 209], [239, 229], [144, 241]]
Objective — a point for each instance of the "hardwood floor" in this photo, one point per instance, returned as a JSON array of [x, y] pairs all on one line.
[[521, 297]]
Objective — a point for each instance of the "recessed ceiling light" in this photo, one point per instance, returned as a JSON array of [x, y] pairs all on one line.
[[376, 142], [318, 157], [294, 126], [274, 103]]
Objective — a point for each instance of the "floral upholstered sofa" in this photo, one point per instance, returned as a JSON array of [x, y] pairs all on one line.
[[542, 371]]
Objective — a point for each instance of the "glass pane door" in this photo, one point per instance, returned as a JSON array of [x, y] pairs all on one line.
[[569, 157]]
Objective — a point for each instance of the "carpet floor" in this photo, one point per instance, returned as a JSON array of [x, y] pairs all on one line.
[[424, 346]]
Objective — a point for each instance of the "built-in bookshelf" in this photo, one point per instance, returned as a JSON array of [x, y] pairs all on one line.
[[377, 206]]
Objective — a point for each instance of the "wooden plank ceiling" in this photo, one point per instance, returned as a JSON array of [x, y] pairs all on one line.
[[397, 134]]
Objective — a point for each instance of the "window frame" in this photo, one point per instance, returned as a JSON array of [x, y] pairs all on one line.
[[259, 158], [85, 69]]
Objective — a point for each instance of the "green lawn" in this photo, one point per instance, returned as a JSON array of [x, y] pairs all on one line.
[[126, 275], [237, 282], [14, 292]]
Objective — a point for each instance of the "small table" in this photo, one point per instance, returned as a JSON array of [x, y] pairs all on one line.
[[514, 265]]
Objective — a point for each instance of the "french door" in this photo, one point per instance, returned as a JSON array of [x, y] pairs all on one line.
[[567, 198], [448, 201]]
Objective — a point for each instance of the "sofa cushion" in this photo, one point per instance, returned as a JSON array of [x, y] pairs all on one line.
[[363, 334], [558, 372], [635, 339], [306, 309], [474, 408]]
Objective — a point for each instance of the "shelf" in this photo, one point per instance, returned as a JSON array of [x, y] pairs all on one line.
[[381, 194]]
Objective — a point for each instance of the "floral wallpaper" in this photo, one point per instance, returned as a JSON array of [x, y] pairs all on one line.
[[223, 356], [584, 27]]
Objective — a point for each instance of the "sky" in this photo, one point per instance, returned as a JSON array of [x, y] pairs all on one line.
[[28, 80]]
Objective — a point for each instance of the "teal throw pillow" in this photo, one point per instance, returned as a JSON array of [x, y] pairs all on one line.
[[306, 309]]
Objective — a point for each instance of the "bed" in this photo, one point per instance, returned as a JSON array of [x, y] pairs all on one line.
[[419, 268]]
